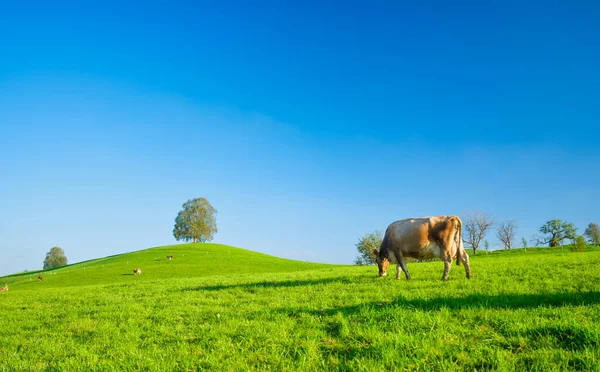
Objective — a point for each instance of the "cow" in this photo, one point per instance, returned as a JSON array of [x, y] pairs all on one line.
[[422, 238], [169, 257], [4, 289], [137, 271], [40, 277]]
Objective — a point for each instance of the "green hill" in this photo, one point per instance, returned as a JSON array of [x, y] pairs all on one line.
[[189, 261], [220, 308]]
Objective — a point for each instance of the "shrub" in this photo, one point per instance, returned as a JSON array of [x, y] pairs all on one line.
[[579, 244]]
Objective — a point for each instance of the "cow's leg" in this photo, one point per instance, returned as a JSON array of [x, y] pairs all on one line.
[[464, 257], [401, 265], [447, 266]]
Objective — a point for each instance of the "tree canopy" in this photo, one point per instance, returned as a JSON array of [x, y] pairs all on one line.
[[196, 221], [593, 233], [55, 258], [365, 247], [556, 231]]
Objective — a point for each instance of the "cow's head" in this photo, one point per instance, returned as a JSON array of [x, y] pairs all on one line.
[[382, 262]]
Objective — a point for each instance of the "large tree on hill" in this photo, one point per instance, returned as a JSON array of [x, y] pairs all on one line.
[[506, 233], [365, 247], [55, 258], [196, 221], [476, 225], [556, 231], [593, 233]]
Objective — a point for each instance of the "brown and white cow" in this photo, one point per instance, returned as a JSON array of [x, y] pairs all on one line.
[[423, 238], [40, 277], [170, 257], [4, 289], [137, 271]]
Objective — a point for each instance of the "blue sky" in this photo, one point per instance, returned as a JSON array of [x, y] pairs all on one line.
[[306, 124]]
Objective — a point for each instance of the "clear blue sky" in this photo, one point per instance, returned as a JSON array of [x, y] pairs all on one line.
[[306, 125]]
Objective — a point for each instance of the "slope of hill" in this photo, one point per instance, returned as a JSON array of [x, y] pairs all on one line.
[[189, 260], [534, 310]]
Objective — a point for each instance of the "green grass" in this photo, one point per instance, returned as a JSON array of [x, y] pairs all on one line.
[[220, 308]]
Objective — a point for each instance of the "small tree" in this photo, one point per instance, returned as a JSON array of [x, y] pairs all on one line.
[[55, 258], [486, 244], [524, 241], [593, 234], [506, 233], [365, 247], [556, 231], [476, 225], [196, 221], [579, 244]]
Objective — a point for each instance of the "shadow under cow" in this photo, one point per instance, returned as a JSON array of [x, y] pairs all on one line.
[[271, 284]]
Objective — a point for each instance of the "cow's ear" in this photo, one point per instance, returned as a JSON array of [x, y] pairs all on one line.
[[376, 252]]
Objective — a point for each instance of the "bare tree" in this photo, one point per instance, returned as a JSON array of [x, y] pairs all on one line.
[[506, 233], [477, 225]]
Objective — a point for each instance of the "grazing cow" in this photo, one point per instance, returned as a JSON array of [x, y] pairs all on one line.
[[170, 257], [137, 272], [40, 277], [422, 238], [4, 289]]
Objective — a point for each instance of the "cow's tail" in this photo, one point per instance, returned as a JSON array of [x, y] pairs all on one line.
[[459, 242]]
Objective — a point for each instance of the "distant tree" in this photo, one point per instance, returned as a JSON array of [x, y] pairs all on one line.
[[579, 244], [556, 231], [55, 258], [365, 247], [476, 225], [486, 244], [196, 221], [524, 241], [593, 233], [506, 233]]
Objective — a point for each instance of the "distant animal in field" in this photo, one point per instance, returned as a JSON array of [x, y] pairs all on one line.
[[137, 272], [170, 257], [422, 238], [4, 289], [40, 277]]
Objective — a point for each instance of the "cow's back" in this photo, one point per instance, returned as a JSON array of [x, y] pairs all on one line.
[[411, 237]]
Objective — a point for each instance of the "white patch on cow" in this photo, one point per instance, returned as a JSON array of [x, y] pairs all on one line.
[[431, 250]]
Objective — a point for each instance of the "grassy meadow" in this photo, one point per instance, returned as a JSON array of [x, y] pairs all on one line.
[[215, 307]]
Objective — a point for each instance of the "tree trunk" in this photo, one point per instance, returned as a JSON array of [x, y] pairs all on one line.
[[194, 239], [474, 250]]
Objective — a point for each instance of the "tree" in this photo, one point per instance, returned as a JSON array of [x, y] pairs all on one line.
[[556, 231], [524, 241], [506, 233], [55, 258], [593, 233], [476, 224], [196, 221], [486, 244], [365, 247]]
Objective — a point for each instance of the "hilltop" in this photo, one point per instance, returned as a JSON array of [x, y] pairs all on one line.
[[189, 261]]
